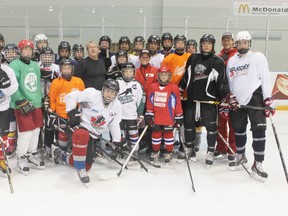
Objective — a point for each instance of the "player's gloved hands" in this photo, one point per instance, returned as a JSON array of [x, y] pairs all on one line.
[[232, 101], [178, 121], [52, 118], [74, 117], [45, 102], [140, 121], [5, 81], [269, 104], [149, 120], [25, 106], [224, 110]]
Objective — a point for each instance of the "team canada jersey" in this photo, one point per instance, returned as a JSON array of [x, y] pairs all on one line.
[[246, 74], [95, 117], [163, 102], [176, 63], [132, 98], [59, 89]]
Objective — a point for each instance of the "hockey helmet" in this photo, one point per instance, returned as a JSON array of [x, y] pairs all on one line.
[[128, 67], [65, 74], [207, 38], [110, 90], [47, 56], [164, 75], [11, 52]]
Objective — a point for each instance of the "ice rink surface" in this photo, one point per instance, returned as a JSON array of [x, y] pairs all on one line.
[[57, 190]]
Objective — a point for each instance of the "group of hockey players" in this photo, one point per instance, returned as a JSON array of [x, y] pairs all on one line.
[[63, 105]]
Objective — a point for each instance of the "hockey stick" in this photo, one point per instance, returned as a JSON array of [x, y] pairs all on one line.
[[186, 158], [132, 151], [279, 149], [227, 144], [6, 163]]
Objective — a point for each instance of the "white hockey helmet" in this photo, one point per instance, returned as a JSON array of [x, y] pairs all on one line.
[[243, 35], [40, 37]]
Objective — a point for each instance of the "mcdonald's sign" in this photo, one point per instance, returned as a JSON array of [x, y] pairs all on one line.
[[243, 8]]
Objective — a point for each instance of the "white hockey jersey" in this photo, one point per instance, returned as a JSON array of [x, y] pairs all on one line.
[[94, 116], [246, 74], [156, 60], [131, 58], [5, 94], [132, 98], [46, 83]]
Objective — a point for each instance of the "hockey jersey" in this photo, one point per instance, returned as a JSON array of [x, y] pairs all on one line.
[[246, 74], [47, 75], [131, 58], [156, 60], [163, 102], [176, 63], [132, 97], [95, 117], [59, 89]]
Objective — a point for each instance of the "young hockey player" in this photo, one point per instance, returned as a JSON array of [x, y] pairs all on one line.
[[98, 110], [191, 46], [153, 46], [121, 60], [167, 44], [41, 42], [2, 42], [60, 87], [8, 86], [205, 81], [64, 51], [138, 45], [249, 79], [132, 97], [163, 111], [11, 52], [78, 52], [27, 104]]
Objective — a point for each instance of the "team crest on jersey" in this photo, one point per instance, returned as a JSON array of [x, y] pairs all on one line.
[[98, 121], [134, 86], [199, 72], [30, 82], [239, 70], [126, 96]]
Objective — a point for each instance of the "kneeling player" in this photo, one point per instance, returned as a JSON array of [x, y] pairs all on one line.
[[98, 110]]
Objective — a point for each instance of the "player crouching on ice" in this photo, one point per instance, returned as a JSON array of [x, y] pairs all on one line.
[[163, 111], [98, 110]]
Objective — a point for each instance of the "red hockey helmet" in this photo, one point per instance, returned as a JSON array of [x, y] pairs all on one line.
[[164, 79], [25, 43]]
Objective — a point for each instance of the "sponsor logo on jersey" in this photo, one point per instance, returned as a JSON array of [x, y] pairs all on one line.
[[160, 99], [239, 70], [30, 82], [126, 96]]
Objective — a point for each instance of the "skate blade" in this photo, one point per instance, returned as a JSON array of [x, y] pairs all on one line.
[[257, 177]]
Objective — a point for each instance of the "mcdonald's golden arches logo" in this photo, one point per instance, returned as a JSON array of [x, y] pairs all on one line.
[[243, 8]]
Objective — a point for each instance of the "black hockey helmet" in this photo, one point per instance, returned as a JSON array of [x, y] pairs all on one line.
[[139, 39], [128, 66], [124, 39], [11, 52], [192, 42], [111, 86], [166, 36], [207, 38], [63, 63], [177, 38], [47, 56], [77, 47], [105, 38], [64, 44]]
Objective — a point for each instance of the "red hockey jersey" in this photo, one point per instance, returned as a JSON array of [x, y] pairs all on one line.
[[164, 103]]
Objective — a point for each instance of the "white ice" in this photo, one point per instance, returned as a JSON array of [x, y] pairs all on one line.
[[166, 191]]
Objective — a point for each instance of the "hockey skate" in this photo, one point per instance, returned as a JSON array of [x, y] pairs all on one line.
[[190, 153], [220, 155], [236, 163], [3, 168], [154, 157], [258, 172], [209, 158], [82, 173], [167, 158], [35, 161], [58, 154], [22, 165]]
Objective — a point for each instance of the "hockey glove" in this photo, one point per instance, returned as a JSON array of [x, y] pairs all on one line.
[[74, 117], [52, 118], [25, 106], [224, 110], [5, 81], [140, 121], [232, 101], [45, 102], [178, 121], [149, 120], [269, 104]]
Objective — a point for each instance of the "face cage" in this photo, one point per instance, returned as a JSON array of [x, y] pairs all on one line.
[[128, 79], [11, 54], [47, 59], [163, 83]]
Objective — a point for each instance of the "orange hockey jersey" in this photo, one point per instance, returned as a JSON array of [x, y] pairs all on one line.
[[59, 89]]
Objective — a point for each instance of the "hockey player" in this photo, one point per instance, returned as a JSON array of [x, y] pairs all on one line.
[[99, 110], [64, 51], [105, 54], [92, 69], [167, 44], [78, 52], [124, 44], [2, 42], [138, 45], [191, 46], [205, 81], [11, 52], [27, 104], [60, 87], [163, 111], [249, 79], [40, 41], [8, 86], [153, 46], [132, 97], [121, 60], [224, 122]]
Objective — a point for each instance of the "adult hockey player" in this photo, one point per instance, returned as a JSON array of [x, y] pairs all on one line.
[[163, 112], [26, 102], [98, 110], [167, 44], [132, 98], [224, 121], [138, 45], [8, 86], [153, 46], [206, 82], [249, 79], [105, 46]]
